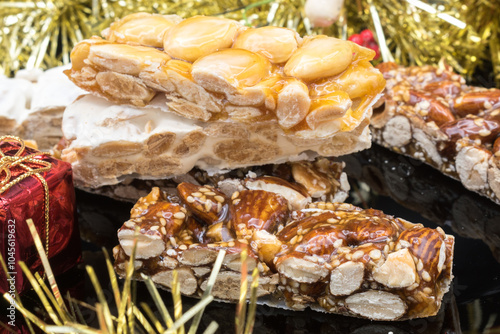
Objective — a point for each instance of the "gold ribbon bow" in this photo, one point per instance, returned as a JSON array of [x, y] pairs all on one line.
[[9, 161]]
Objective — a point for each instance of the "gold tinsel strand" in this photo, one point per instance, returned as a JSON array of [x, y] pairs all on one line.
[[420, 32], [67, 317]]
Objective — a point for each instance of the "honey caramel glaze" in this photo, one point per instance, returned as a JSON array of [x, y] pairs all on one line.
[[474, 102], [164, 214], [473, 127], [425, 244], [257, 210], [208, 204], [444, 89], [496, 147], [429, 247], [436, 110], [304, 224], [320, 235], [370, 226], [197, 231]]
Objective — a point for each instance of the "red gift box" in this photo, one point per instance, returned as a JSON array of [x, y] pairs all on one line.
[[29, 179]]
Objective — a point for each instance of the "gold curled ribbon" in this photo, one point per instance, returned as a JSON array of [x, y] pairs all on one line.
[[17, 160]]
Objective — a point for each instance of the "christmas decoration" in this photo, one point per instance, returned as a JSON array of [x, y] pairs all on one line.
[[365, 38], [33, 184], [323, 13], [67, 316]]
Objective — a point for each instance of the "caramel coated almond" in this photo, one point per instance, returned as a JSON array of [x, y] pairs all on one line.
[[474, 102], [141, 28], [319, 57], [199, 36], [274, 43], [229, 70]]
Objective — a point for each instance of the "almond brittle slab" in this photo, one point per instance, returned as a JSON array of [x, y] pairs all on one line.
[[430, 114], [332, 257], [211, 69]]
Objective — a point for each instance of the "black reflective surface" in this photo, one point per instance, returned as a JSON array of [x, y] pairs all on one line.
[[380, 179]]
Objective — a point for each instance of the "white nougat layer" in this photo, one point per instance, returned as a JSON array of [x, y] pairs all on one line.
[[106, 143]]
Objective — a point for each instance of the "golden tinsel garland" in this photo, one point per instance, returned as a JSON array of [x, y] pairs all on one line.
[[66, 316], [42, 33], [464, 33]]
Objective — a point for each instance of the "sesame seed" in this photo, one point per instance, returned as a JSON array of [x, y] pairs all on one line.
[[420, 265], [180, 215], [163, 230], [293, 241], [210, 193], [171, 252], [404, 243], [335, 263], [208, 206], [425, 276], [375, 254], [182, 247], [219, 199], [236, 201], [338, 243], [235, 195], [173, 242], [219, 206], [230, 244], [479, 121], [357, 255], [196, 194], [190, 199], [163, 221], [154, 228], [331, 220], [427, 290], [484, 133], [348, 256], [129, 224]]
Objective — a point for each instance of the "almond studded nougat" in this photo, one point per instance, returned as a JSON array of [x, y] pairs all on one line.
[[213, 69], [332, 257], [430, 114]]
